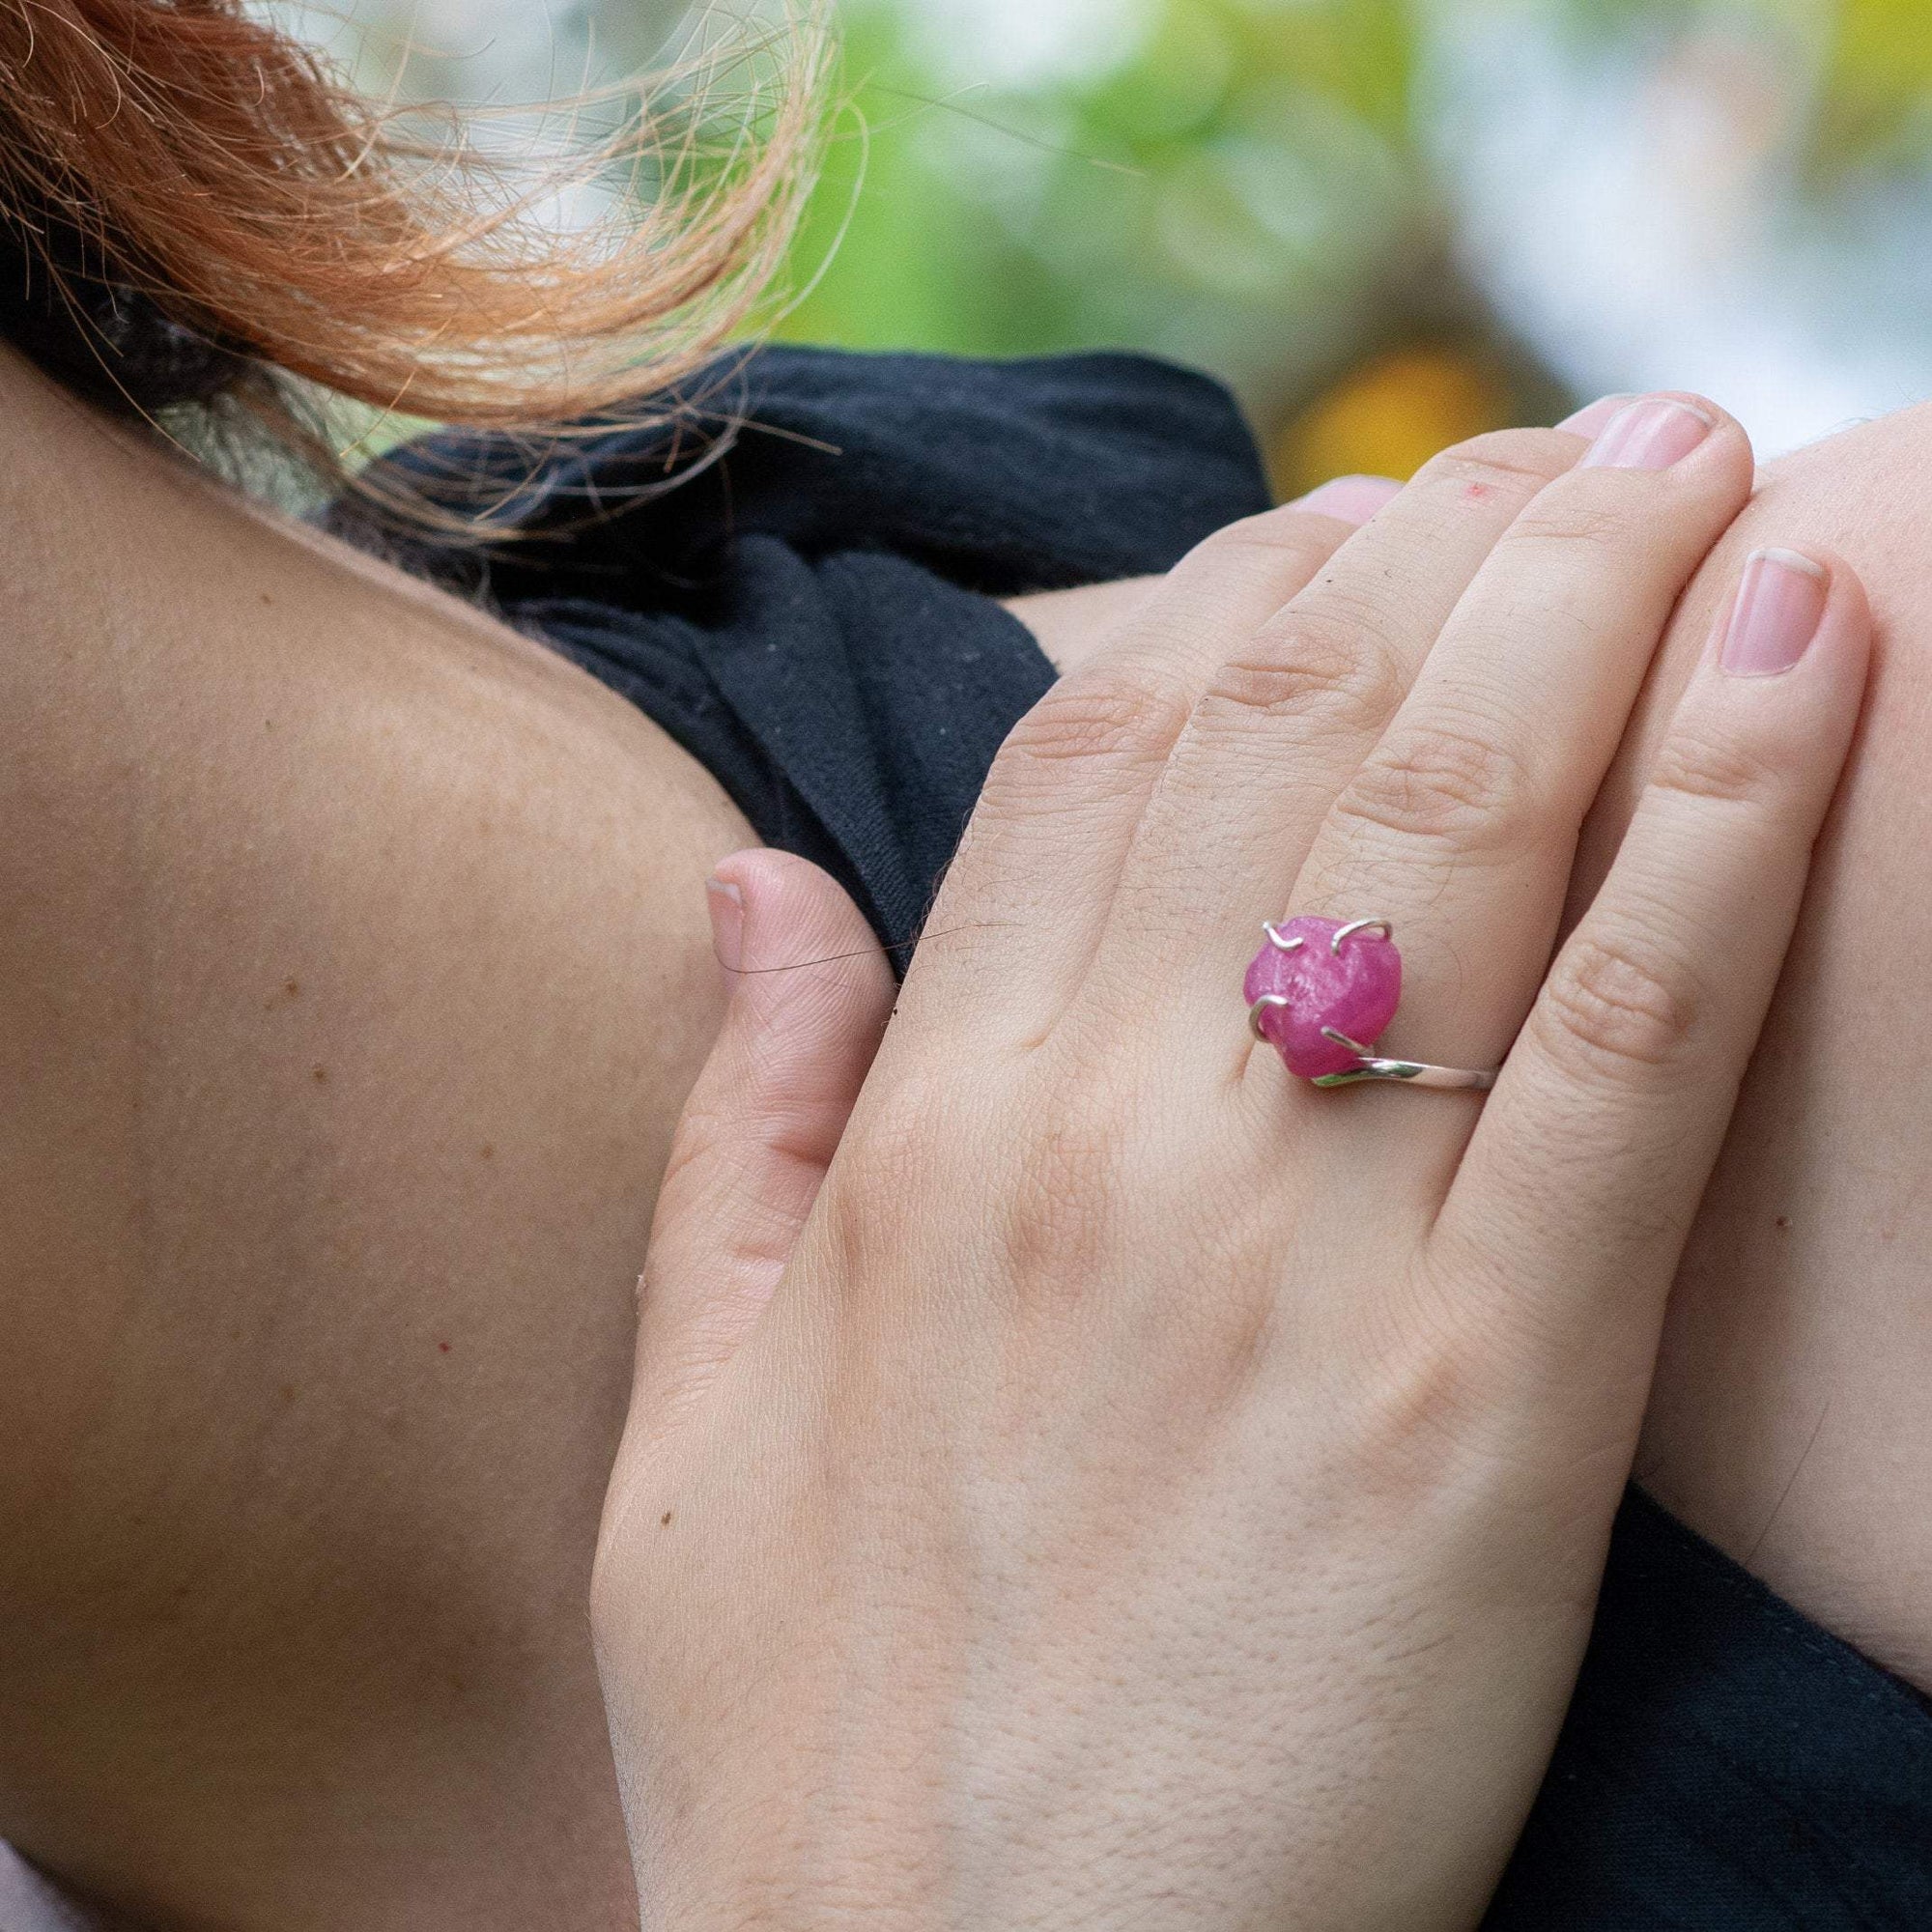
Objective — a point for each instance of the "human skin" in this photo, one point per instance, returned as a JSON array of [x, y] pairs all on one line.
[[1789, 1419], [1097, 1519], [354, 968], [354, 964], [1791, 1416]]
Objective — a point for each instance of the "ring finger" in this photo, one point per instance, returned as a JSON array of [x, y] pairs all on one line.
[[1461, 825], [1286, 711]]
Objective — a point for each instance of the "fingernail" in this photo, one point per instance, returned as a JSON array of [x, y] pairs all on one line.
[[1592, 416], [1779, 602], [1350, 499], [1651, 432], [728, 921]]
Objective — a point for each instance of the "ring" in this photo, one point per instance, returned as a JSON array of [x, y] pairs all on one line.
[[1319, 989]]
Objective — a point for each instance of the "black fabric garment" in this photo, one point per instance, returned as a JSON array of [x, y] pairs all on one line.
[[811, 617], [810, 614], [1726, 1764]]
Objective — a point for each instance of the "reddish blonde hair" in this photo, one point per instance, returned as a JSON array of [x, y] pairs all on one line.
[[196, 165]]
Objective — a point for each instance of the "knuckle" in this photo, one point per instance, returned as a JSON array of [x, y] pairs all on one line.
[[1617, 1007], [1698, 765], [1312, 667], [1567, 517], [1098, 715], [1059, 1217], [1441, 783]]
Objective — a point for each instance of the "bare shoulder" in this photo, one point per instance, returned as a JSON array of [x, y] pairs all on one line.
[[353, 970], [1791, 1422]]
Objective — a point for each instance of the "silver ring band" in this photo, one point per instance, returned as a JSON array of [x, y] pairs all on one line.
[[1413, 1073]]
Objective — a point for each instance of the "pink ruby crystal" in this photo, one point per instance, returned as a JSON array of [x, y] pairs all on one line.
[[1355, 991]]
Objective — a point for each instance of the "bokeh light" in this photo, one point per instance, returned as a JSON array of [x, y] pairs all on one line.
[[1385, 222]]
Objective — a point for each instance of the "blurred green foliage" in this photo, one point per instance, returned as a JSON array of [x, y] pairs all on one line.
[[1240, 189], [1244, 184], [1878, 92]]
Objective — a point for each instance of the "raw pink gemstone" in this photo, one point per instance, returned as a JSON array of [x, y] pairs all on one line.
[[1355, 991]]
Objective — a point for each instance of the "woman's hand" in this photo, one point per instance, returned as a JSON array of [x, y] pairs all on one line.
[[1150, 1490]]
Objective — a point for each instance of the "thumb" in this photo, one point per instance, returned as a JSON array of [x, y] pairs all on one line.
[[811, 993]]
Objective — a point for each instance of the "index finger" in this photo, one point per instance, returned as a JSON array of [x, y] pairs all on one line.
[[1062, 799], [1195, 693]]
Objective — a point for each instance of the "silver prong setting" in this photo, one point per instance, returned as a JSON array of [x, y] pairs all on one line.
[[1367, 975], [1354, 1047], [1259, 1006], [1356, 926]]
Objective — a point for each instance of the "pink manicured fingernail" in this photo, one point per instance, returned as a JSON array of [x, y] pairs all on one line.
[[1592, 416], [728, 921], [1350, 499], [1780, 599], [1651, 432]]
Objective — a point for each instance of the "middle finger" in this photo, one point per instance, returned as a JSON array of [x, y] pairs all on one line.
[[1461, 825], [1286, 719]]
